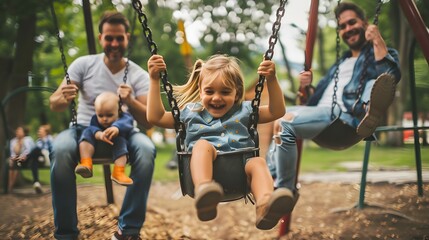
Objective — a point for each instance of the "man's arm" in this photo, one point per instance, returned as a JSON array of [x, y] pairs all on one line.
[[63, 96], [136, 106], [380, 49], [387, 59]]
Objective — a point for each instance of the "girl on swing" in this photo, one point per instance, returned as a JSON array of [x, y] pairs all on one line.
[[216, 119]]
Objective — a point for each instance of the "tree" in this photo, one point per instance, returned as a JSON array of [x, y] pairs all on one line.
[[232, 27]]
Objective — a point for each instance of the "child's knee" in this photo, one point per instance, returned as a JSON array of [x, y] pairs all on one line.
[[255, 163]]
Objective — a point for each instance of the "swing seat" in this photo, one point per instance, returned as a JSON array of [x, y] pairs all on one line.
[[228, 171], [337, 136]]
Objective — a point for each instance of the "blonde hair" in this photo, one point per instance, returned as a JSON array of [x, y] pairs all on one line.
[[218, 66]]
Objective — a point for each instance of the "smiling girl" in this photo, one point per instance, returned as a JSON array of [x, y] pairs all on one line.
[[216, 119]]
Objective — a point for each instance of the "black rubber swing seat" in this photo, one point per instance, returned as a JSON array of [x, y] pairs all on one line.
[[228, 171], [337, 136]]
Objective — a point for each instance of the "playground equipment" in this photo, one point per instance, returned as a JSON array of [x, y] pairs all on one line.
[[422, 37], [6, 126]]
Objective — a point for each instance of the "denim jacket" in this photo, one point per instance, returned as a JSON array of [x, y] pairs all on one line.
[[389, 64]]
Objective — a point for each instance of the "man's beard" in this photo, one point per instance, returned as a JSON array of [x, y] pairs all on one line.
[[111, 52], [359, 43]]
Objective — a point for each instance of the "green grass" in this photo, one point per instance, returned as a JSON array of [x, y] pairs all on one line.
[[314, 159], [161, 173]]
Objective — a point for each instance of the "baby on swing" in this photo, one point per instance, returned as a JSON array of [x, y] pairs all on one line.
[[108, 125], [216, 119]]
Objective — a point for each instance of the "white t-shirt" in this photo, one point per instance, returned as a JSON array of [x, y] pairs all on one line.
[[344, 76], [93, 77]]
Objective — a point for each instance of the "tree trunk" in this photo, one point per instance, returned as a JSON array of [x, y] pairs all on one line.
[[23, 62], [15, 74]]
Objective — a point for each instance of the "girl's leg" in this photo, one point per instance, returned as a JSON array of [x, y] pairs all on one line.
[[270, 206], [259, 178], [203, 155], [207, 192]]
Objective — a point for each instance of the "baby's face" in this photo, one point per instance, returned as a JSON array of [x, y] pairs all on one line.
[[106, 116]]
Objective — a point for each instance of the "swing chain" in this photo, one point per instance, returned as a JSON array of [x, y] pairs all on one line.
[[355, 111], [179, 126], [127, 63], [254, 116], [337, 70], [146, 30], [63, 59]]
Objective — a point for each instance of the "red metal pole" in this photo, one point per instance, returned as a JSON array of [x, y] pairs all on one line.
[[305, 92], [285, 221], [416, 23]]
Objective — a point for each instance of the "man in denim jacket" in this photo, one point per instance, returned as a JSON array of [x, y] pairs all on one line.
[[359, 103]]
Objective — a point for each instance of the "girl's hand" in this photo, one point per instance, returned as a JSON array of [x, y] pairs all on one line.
[[267, 68], [155, 66]]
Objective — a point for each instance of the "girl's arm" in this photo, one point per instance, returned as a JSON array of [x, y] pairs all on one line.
[[156, 113], [276, 105]]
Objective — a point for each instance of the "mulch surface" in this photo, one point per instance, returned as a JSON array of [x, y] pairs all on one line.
[[324, 211]]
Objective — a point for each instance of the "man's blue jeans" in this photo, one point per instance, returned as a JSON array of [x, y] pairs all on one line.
[[65, 157], [307, 123]]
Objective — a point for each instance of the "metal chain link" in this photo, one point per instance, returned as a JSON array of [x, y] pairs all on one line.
[[179, 126], [337, 70], [63, 59], [127, 63], [254, 116]]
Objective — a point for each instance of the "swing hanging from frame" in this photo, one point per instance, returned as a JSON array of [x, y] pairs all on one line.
[[339, 135], [102, 153], [228, 168]]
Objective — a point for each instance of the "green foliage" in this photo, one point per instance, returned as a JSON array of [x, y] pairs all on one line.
[[232, 27], [421, 71], [219, 17]]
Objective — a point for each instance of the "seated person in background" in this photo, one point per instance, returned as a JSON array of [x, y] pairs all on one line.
[[43, 145], [216, 118], [20, 149], [110, 126]]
